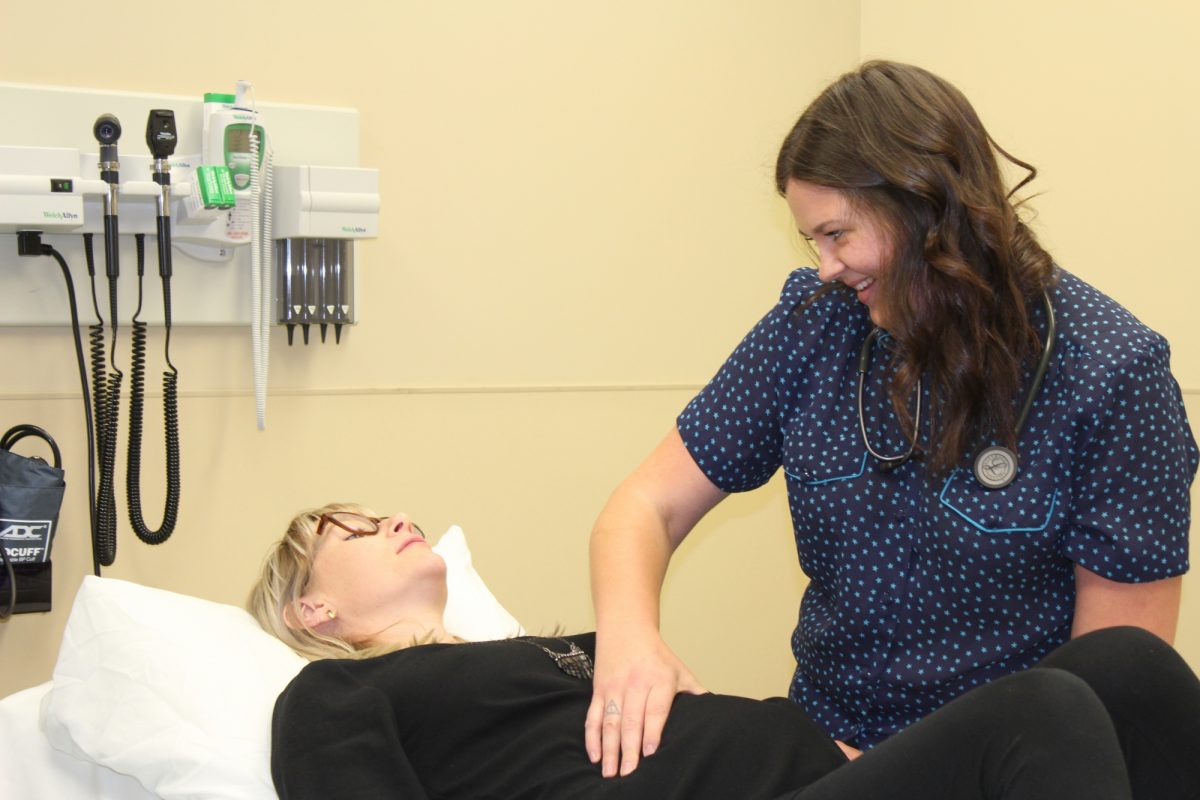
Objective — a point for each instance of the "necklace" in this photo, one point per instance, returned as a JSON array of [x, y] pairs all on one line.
[[574, 662]]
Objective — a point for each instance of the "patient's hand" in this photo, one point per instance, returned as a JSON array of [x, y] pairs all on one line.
[[636, 682]]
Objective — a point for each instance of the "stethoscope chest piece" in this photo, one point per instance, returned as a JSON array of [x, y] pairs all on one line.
[[995, 467]]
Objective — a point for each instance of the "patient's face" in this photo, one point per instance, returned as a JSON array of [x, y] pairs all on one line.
[[374, 580]]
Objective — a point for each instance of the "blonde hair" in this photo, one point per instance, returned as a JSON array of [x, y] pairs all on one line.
[[275, 597]]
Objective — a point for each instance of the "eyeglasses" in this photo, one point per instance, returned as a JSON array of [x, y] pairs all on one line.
[[355, 523]]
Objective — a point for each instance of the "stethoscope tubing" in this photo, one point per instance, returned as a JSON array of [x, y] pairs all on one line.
[[1042, 367], [864, 364], [888, 463]]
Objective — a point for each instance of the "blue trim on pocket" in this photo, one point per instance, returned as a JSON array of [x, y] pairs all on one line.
[[942, 499], [862, 468]]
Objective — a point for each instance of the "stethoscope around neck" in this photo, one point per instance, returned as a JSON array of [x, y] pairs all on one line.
[[996, 466]]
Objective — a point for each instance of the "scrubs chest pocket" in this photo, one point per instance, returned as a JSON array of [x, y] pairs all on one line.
[[826, 482], [1000, 537], [814, 459], [1025, 506]]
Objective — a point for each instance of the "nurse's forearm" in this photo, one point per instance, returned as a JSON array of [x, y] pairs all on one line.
[[630, 550], [646, 518]]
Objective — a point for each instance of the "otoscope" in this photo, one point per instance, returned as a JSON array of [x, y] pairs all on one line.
[[160, 138], [107, 131]]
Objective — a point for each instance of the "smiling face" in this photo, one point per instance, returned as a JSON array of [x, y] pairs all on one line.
[[853, 249], [377, 584]]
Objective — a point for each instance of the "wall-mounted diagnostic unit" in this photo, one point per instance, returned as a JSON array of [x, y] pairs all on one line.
[[226, 204], [253, 210]]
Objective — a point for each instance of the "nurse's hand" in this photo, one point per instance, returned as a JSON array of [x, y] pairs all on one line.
[[636, 681]]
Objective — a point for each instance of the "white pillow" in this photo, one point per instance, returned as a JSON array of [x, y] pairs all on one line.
[[472, 611], [178, 692]]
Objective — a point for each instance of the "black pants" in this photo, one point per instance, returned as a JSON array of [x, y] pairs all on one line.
[[1153, 700], [1111, 715]]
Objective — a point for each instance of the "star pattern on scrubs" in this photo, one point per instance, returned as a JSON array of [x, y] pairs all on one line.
[[922, 588]]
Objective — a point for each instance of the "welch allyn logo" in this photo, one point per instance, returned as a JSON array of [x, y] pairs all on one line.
[[60, 215]]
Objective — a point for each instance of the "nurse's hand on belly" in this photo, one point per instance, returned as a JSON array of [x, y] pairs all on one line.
[[631, 701]]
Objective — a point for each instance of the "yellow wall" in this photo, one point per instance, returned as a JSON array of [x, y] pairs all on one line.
[[578, 225]]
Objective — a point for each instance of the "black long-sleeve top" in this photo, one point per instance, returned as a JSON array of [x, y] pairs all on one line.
[[500, 720]]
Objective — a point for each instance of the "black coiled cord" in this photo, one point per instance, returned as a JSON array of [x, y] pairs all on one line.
[[106, 391], [98, 353], [170, 414], [106, 501]]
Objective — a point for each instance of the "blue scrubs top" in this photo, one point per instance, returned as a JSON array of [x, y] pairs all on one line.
[[922, 588]]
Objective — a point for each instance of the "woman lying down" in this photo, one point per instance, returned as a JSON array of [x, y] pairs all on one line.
[[393, 706]]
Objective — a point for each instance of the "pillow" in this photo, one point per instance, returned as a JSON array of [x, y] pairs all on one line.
[[472, 611], [178, 692], [173, 690]]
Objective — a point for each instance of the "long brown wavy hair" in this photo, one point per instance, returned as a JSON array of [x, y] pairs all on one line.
[[906, 148]]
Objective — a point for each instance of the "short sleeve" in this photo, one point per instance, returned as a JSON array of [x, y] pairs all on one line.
[[733, 427], [1132, 474], [333, 736]]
